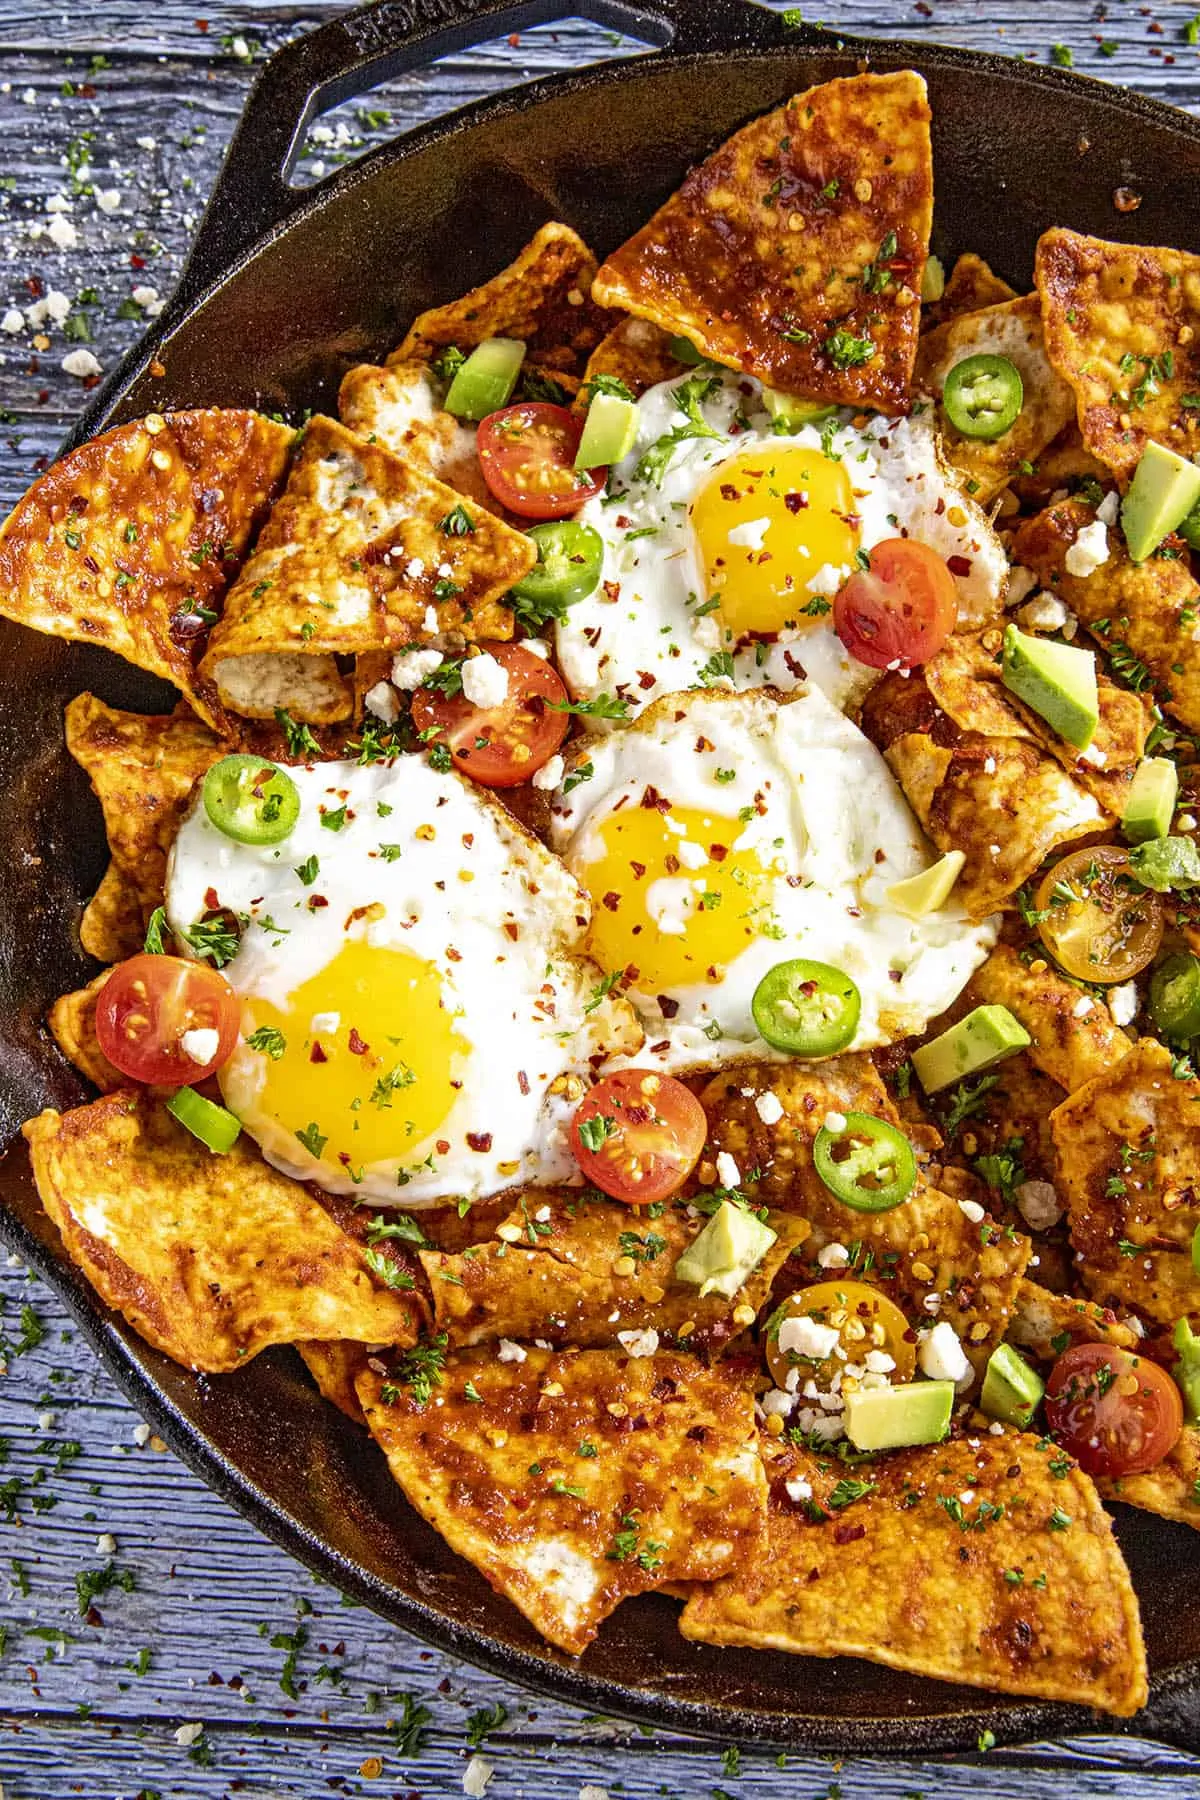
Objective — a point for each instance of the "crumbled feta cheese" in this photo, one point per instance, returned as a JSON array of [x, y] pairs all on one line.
[[797, 1491], [1123, 1002], [878, 1362], [1109, 507], [56, 306], [484, 680], [187, 1734], [728, 1173], [430, 623], [108, 199], [941, 1354], [828, 580], [58, 203], [324, 1024], [833, 1256], [510, 1352], [777, 1400], [381, 702], [476, 1775], [537, 647], [1083, 1006], [807, 1337], [692, 856], [1021, 583], [835, 1122], [749, 534], [1038, 1203], [146, 143], [81, 363], [769, 1108], [46, 1421], [415, 565], [106, 1544], [13, 321], [60, 231], [1094, 756], [141, 1436], [409, 670], [200, 1045], [989, 765], [971, 1209], [1089, 550], [148, 299], [550, 774], [590, 1792], [1045, 612], [638, 1343]]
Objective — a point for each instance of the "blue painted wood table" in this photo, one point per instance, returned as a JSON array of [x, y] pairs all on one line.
[[213, 1665]]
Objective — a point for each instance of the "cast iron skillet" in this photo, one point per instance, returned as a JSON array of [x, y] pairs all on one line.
[[283, 291]]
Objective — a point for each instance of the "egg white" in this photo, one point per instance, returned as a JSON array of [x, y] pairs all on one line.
[[813, 795], [645, 632], [499, 918]]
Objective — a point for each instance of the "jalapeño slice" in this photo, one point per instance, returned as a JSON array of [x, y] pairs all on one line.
[[982, 396], [251, 800], [570, 557], [216, 1127], [1175, 995], [866, 1164], [806, 1008]]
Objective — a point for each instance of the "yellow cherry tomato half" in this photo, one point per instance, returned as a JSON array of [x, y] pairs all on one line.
[[865, 1320], [1096, 922]]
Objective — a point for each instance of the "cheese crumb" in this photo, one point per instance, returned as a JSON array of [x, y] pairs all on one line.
[[1123, 1003], [106, 1544], [835, 1122], [476, 1775], [1109, 507], [769, 1108], [510, 1352], [638, 1343], [833, 1256], [409, 671], [108, 200], [60, 231], [141, 1436], [484, 680], [941, 1354], [81, 363], [971, 1209], [797, 1491], [808, 1337], [1083, 1006], [187, 1734], [1089, 551], [728, 1173], [1045, 612], [13, 321], [381, 702], [201, 1044], [550, 774]]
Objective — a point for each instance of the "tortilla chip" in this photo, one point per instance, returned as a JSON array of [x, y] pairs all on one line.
[[1012, 330], [966, 680], [143, 768], [566, 1270], [1069, 1048], [1121, 325], [543, 298], [131, 541], [353, 556], [210, 1258], [113, 924], [635, 352], [335, 1367], [1171, 1489], [802, 239], [971, 285], [400, 407], [917, 1576], [72, 1022], [674, 1491], [1044, 1323], [1062, 464], [1128, 1149], [1143, 614], [927, 1246]]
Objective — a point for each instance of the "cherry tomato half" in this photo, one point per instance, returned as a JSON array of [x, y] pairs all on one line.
[[527, 455], [638, 1135], [500, 746], [865, 1320], [1097, 922], [1117, 1414], [899, 611], [148, 1004]]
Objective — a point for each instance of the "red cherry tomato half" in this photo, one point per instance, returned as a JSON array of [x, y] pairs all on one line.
[[1117, 1414], [149, 1003], [500, 746], [527, 454], [900, 610], [638, 1135]]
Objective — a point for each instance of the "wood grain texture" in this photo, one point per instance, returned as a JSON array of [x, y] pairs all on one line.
[[91, 1704]]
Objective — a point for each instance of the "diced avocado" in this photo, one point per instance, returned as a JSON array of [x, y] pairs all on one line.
[[1057, 681], [1012, 1391], [1187, 1370], [790, 412], [1164, 489], [985, 1037], [1189, 529], [726, 1253], [926, 892], [608, 432], [1150, 803], [487, 378], [888, 1418]]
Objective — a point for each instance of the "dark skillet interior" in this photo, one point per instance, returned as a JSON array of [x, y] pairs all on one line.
[[1016, 151]]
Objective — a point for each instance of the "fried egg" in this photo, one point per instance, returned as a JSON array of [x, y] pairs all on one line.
[[724, 546], [722, 834], [414, 1000]]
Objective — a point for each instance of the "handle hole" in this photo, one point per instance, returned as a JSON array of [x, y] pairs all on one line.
[[345, 133]]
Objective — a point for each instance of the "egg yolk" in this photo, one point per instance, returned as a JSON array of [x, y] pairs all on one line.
[[370, 1059], [672, 895], [766, 522]]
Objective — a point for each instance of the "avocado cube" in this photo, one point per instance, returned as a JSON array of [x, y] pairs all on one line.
[[485, 382], [1164, 489], [726, 1253], [608, 433], [1187, 1370], [1012, 1391], [1057, 681], [1150, 803], [919, 895], [984, 1038], [788, 412], [888, 1418]]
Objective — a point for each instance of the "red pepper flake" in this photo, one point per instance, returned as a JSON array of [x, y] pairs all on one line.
[[611, 900], [479, 1140], [317, 1055], [522, 1081], [639, 869], [666, 1006], [795, 502], [718, 852], [654, 801], [355, 1044], [959, 565], [137, 262], [848, 1534], [316, 902]]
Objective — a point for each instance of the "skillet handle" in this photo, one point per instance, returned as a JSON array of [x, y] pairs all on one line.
[[375, 43]]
